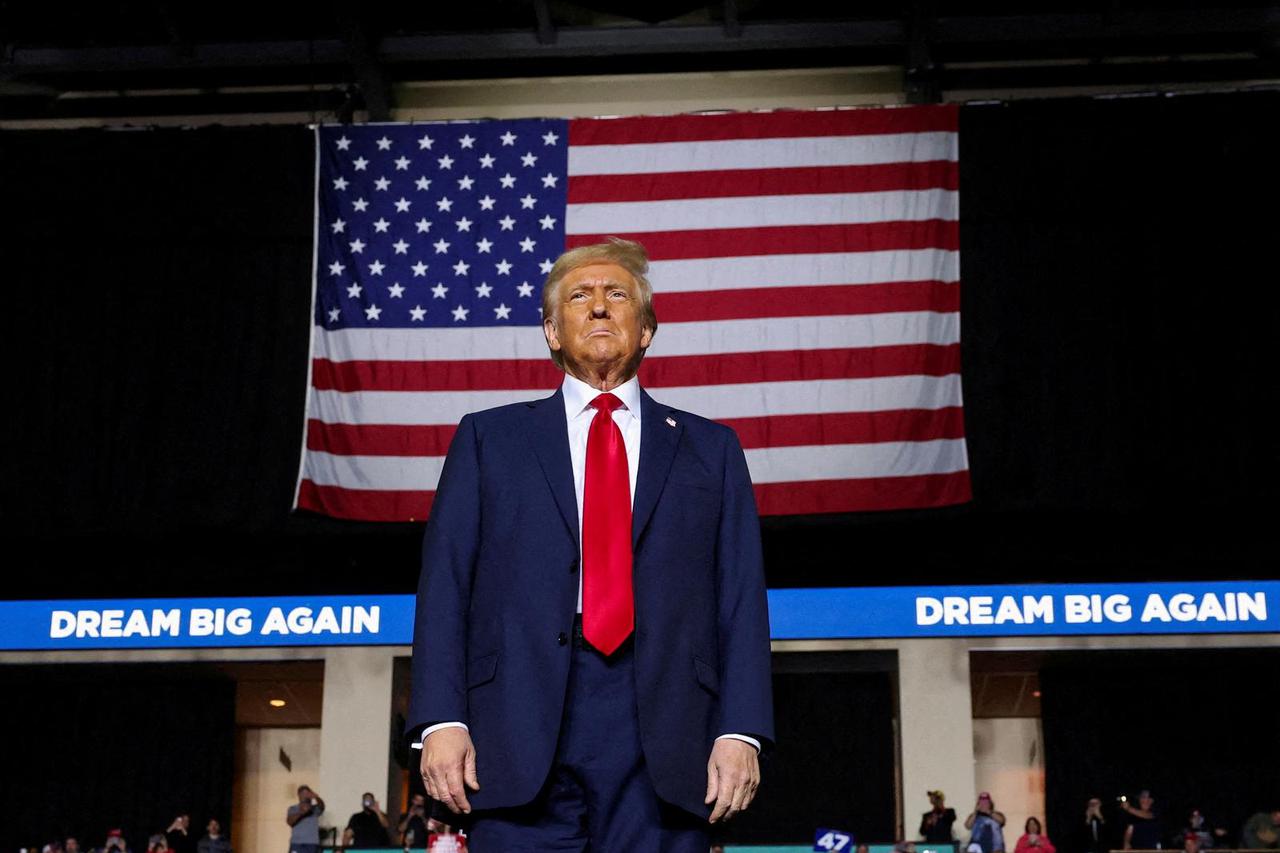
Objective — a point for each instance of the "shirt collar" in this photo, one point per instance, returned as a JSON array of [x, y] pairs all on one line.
[[578, 395]]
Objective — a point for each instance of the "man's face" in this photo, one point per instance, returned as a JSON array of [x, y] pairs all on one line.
[[304, 795], [213, 827], [1095, 803], [936, 801], [597, 322], [1146, 801], [72, 846], [418, 801]]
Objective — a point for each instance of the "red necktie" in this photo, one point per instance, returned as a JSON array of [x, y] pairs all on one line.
[[608, 611]]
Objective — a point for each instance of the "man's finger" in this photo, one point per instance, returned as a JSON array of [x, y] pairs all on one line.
[[713, 783], [458, 791], [469, 773]]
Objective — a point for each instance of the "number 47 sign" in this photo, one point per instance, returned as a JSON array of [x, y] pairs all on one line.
[[831, 841]]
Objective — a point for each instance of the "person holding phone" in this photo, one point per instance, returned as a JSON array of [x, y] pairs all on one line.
[[986, 825], [1033, 839], [367, 827], [305, 820]]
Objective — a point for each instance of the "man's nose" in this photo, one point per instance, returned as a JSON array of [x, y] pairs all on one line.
[[599, 305]]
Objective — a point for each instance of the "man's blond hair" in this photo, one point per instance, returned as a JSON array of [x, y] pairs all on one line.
[[627, 254]]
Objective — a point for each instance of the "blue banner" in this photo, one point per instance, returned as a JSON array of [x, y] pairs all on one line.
[[1222, 607]]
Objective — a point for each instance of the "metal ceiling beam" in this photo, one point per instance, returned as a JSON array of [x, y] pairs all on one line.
[[1031, 32]]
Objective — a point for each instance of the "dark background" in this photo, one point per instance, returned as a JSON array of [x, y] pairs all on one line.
[[1119, 307], [1195, 727], [91, 747]]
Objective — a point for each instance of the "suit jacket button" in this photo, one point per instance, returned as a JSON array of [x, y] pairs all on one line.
[[562, 638]]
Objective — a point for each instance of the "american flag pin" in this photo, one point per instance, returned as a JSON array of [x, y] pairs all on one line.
[[671, 422]]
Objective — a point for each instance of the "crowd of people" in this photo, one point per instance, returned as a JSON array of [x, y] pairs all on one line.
[[370, 827], [177, 838], [1134, 825]]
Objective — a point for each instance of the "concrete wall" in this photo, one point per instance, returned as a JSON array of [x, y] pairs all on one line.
[[935, 714], [1009, 763], [264, 789]]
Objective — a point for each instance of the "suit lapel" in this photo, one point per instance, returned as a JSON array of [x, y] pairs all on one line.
[[549, 437], [658, 442]]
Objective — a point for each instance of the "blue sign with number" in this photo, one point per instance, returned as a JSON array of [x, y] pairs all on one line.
[[832, 841]]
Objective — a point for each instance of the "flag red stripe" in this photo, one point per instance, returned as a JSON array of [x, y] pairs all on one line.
[[365, 504], [849, 427], [379, 439], [775, 431], [798, 124], [874, 493], [935, 174], [787, 239], [658, 372], [807, 301], [478, 375]]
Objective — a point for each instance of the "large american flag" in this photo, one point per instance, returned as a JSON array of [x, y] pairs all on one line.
[[806, 275]]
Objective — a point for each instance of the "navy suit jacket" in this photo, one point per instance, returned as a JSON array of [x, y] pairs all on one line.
[[499, 586]]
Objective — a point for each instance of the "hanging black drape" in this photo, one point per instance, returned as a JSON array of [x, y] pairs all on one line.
[[91, 747], [1118, 304], [1196, 728]]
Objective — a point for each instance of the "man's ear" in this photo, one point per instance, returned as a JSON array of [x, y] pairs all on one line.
[[549, 329], [646, 338]]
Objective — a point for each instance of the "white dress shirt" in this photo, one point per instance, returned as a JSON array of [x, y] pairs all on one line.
[[579, 413]]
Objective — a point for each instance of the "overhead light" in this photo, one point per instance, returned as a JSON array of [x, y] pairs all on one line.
[[277, 703]]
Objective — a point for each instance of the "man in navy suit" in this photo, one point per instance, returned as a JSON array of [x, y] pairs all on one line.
[[591, 652]]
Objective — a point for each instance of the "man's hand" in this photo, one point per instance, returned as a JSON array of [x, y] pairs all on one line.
[[449, 761], [733, 775]]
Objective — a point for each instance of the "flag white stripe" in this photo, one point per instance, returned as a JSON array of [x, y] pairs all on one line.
[[856, 461], [657, 157], [767, 465], [687, 276], [718, 402], [761, 211], [695, 338]]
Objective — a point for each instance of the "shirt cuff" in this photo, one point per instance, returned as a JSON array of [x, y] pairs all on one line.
[[438, 726], [742, 738]]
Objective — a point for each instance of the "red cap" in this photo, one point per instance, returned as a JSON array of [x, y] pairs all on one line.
[[115, 833]]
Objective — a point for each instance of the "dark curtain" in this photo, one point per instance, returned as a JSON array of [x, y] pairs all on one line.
[[834, 767], [1118, 303], [1196, 728], [92, 747]]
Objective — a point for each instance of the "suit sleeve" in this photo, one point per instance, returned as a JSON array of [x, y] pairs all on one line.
[[746, 694], [449, 551]]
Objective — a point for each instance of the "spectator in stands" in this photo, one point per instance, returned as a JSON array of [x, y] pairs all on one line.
[[862, 848], [179, 835], [1210, 836], [158, 843], [367, 827], [71, 845], [1261, 831], [1143, 830], [1095, 827], [446, 841], [904, 847], [305, 820], [935, 824], [1191, 843], [214, 841], [1033, 839], [412, 826], [115, 842], [986, 826]]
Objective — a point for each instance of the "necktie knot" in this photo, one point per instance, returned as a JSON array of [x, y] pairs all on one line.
[[606, 403]]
